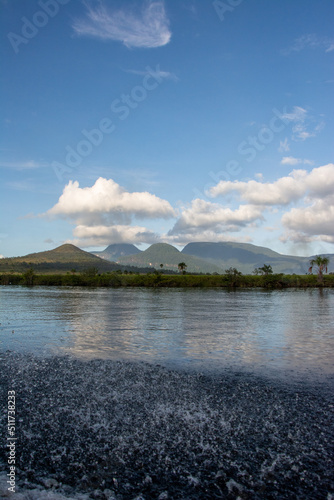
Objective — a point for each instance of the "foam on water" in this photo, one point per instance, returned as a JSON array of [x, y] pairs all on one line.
[[107, 429]]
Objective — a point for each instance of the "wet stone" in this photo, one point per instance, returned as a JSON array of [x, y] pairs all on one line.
[[120, 430]]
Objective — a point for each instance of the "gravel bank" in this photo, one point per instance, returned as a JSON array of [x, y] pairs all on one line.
[[121, 430]]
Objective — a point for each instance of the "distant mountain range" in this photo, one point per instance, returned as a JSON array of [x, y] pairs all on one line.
[[169, 257], [202, 257], [209, 257], [246, 257], [115, 251]]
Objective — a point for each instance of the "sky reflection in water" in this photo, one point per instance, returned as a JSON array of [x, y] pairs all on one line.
[[283, 330]]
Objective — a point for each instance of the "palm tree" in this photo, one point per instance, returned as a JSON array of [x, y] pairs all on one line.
[[321, 263], [182, 267], [266, 269]]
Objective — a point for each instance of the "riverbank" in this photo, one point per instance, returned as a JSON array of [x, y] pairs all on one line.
[[118, 430], [160, 280]]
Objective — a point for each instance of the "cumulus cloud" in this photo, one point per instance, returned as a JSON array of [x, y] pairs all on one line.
[[313, 192], [311, 223], [283, 191], [87, 236], [103, 213], [106, 198], [206, 221], [146, 29]]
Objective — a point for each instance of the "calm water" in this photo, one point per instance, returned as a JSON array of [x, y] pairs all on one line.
[[290, 332]]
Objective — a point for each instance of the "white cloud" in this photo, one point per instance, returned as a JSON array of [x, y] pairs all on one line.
[[312, 222], [304, 125], [205, 221], [2, 256], [290, 160], [281, 192], [158, 74], [88, 236], [298, 114], [318, 182], [204, 214], [107, 198], [310, 41], [23, 165], [103, 213], [146, 29]]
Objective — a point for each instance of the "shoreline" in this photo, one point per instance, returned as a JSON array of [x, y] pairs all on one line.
[[159, 280], [123, 429]]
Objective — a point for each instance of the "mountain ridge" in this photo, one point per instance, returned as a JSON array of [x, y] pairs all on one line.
[[116, 250], [169, 257], [219, 256], [200, 257]]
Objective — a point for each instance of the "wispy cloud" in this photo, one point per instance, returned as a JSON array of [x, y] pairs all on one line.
[[291, 160], [148, 28], [158, 73], [23, 165], [22, 185], [304, 125], [310, 41]]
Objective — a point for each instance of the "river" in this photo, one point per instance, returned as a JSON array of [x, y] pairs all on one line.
[[287, 332], [156, 394]]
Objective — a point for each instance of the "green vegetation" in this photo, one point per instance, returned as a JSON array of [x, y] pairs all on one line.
[[264, 270], [199, 258], [182, 266], [321, 264], [28, 277], [232, 278]]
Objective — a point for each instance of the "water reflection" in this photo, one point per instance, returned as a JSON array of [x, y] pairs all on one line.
[[280, 329]]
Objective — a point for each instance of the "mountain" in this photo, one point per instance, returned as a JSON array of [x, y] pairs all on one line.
[[170, 257], [246, 257], [63, 258], [117, 250], [202, 257]]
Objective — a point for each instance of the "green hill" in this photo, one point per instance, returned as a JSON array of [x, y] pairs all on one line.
[[202, 257], [246, 257], [63, 258], [117, 250], [170, 257]]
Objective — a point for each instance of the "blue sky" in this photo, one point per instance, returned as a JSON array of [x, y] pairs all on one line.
[[176, 121]]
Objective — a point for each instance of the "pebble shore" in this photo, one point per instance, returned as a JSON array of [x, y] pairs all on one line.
[[124, 430]]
